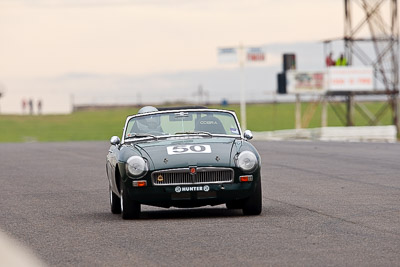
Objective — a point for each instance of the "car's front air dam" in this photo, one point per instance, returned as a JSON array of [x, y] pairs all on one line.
[[191, 195]]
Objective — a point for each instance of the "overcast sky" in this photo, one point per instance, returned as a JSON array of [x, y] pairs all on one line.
[[52, 37], [45, 39]]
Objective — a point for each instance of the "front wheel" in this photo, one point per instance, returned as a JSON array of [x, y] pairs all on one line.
[[253, 205], [234, 204], [114, 202], [130, 209]]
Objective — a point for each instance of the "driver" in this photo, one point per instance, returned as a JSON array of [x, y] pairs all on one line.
[[148, 124]]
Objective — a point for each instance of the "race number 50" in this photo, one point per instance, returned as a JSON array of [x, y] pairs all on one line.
[[184, 149]]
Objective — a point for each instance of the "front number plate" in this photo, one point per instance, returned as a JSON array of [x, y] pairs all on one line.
[[204, 188]]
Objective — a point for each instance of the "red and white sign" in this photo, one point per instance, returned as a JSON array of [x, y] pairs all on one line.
[[298, 82], [333, 79], [350, 79], [255, 54]]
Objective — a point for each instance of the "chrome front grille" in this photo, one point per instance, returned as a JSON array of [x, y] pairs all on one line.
[[203, 175]]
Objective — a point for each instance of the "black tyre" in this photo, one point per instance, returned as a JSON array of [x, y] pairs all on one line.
[[234, 204], [115, 202], [129, 209], [253, 205]]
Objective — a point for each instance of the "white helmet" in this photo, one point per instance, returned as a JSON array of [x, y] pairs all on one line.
[[147, 109], [148, 123]]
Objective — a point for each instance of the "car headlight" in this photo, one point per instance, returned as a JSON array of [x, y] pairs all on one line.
[[136, 167], [247, 161]]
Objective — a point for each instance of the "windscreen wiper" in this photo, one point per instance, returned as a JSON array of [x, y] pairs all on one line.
[[135, 135], [195, 132]]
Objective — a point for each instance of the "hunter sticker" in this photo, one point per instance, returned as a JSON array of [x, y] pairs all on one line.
[[185, 149], [179, 189]]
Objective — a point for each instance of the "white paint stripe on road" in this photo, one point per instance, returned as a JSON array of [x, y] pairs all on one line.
[[13, 254]]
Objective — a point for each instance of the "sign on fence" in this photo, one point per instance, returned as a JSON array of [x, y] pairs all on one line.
[[332, 80], [255, 54], [350, 79], [299, 82], [228, 55]]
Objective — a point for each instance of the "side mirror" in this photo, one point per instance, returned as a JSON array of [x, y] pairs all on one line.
[[115, 140], [248, 135]]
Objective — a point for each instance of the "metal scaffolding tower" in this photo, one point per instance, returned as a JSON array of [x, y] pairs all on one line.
[[372, 25]]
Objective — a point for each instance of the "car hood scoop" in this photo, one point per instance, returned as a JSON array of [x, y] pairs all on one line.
[[184, 152]]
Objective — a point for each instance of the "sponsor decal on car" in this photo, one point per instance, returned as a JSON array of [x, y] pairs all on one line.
[[204, 188], [185, 149], [208, 122], [234, 130]]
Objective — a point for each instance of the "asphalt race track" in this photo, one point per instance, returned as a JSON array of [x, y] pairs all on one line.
[[323, 204]]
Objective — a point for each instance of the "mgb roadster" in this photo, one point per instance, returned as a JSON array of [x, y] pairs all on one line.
[[183, 157]]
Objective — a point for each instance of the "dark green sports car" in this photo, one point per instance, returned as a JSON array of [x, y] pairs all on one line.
[[183, 157]]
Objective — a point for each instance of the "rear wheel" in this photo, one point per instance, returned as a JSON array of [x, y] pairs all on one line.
[[114, 202], [253, 205], [130, 209]]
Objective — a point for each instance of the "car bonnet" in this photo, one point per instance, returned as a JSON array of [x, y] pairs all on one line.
[[184, 152]]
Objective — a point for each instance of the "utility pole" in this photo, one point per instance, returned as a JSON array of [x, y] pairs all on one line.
[[241, 54], [243, 115], [2, 91]]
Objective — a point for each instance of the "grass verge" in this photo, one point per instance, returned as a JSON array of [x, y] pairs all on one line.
[[102, 124]]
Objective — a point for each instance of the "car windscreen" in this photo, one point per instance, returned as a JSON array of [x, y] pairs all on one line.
[[172, 123]]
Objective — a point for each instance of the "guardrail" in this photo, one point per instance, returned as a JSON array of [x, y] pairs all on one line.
[[344, 134]]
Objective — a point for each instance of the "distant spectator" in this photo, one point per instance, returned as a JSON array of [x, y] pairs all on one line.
[[30, 103], [329, 60], [23, 106], [342, 61], [39, 106]]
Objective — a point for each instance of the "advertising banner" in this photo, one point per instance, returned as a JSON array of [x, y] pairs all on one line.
[[255, 54], [333, 79], [299, 82], [228, 55], [350, 79]]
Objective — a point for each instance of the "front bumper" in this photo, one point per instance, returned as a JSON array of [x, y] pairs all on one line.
[[193, 195]]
